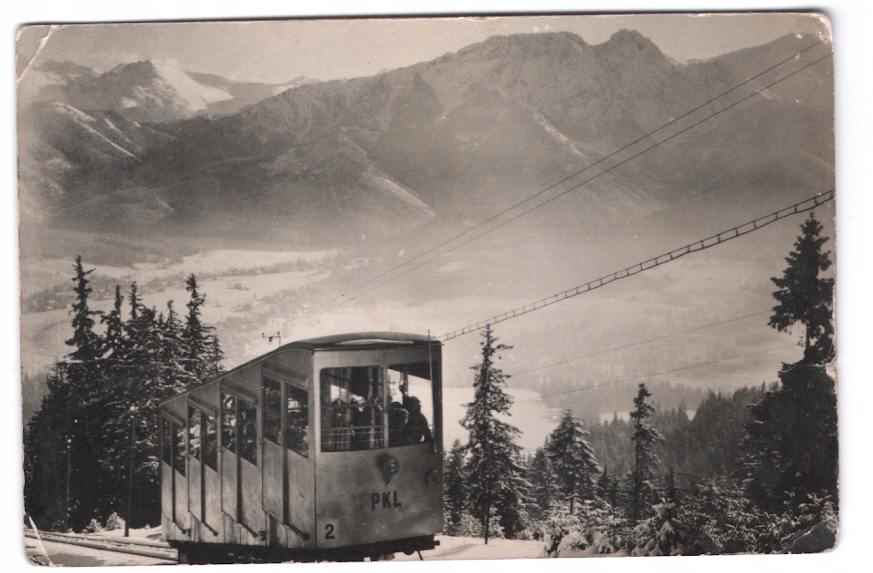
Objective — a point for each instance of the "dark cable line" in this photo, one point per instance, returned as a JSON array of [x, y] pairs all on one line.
[[613, 349], [567, 178], [699, 364], [717, 239], [547, 201]]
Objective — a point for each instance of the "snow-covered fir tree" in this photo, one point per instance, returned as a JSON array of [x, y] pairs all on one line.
[[203, 352], [544, 487], [454, 486], [645, 437], [495, 484], [94, 439], [572, 459]]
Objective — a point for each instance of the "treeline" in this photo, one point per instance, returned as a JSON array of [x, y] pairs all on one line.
[[663, 484], [589, 405], [92, 448], [755, 471], [705, 445]]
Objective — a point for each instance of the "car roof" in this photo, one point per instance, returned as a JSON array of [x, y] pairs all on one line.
[[356, 340]]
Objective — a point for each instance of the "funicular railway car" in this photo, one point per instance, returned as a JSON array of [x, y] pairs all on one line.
[[323, 449]]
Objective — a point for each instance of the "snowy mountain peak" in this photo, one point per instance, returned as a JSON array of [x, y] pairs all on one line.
[[150, 83]]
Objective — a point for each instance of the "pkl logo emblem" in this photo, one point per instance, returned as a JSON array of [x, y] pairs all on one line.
[[390, 466], [388, 499]]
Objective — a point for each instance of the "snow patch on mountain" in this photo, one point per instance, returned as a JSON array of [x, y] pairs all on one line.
[[89, 125], [557, 135], [403, 194], [295, 83], [195, 94]]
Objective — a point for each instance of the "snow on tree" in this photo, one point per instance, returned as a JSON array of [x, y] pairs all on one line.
[[454, 486], [544, 487], [572, 459], [808, 527], [717, 509], [82, 370], [85, 342], [495, 483], [598, 530], [606, 487], [113, 338], [664, 534], [791, 446], [204, 353], [95, 435], [645, 437]]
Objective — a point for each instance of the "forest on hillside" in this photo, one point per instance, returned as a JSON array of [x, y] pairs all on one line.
[[91, 451], [752, 471]]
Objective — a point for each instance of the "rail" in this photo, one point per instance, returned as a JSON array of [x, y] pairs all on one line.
[[140, 547]]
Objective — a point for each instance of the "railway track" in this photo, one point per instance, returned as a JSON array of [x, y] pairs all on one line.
[[140, 547]]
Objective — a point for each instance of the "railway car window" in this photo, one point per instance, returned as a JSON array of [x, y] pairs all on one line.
[[410, 395], [248, 432], [297, 435], [228, 422], [166, 441], [179, 448], [210, 441], [194, 428], [272, 409], [352, 407]]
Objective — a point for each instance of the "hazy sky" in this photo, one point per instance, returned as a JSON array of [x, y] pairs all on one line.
[[275, 51]]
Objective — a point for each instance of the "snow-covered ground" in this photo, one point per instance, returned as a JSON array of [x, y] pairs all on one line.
[[148, 534], [451, 548], [45, 552], [474, 548], [65, 555]]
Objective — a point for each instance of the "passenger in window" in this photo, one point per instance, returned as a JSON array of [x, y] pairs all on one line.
[[417, 429], [398, 420], [339, 423], [367, 422]]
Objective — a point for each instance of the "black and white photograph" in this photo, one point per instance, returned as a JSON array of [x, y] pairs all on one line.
[[428, 288]]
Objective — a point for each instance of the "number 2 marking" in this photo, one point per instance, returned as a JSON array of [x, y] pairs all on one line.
[[328, 531]]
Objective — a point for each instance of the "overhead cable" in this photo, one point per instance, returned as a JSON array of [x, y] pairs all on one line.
[[347, 296], [717, 239]]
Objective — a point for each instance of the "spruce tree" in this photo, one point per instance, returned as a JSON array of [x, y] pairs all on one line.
[[804, 296], [102, 399], [113, 338], [496, 488], [791, 449], [645, 437], [455, 489], [606, 488], [194, 334], [572, 458], [46, 458], [544, 485], [203, 351], [85, 342], [82, 372], [63, 442]]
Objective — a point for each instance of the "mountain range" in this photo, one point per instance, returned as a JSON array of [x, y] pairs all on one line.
[[147, 163], [148, 148]]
